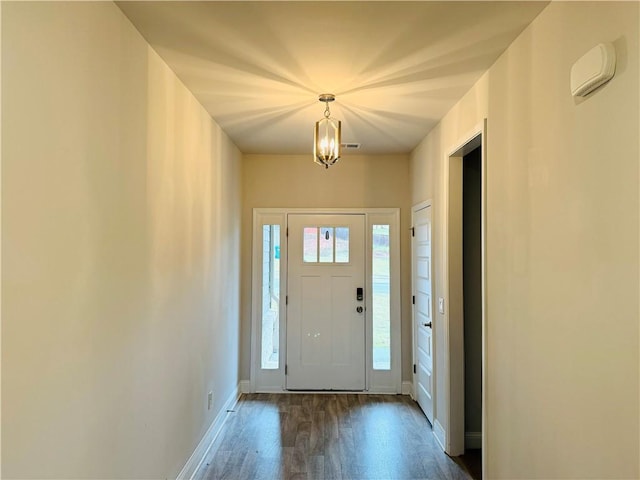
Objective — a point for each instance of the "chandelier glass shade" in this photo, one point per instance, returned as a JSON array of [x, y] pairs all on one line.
[[327, 136]]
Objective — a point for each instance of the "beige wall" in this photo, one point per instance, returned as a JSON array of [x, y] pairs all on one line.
[[562, 247], [120, 234], [294, 181]]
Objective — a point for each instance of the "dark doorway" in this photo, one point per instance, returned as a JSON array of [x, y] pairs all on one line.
[[472, 294]]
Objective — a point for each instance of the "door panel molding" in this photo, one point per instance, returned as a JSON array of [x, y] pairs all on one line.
[[423, 319]]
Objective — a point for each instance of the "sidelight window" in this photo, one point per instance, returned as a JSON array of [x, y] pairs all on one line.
[[381, 297], [270, 296]]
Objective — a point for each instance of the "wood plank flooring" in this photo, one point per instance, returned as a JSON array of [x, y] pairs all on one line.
[[327, 436]]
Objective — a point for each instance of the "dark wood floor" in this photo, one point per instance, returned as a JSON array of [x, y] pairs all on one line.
[[472, 463], [326, 436]]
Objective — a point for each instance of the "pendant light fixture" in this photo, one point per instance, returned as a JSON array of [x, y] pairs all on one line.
[[326, 145]]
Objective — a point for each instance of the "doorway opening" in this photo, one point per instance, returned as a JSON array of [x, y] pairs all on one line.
[[465, 283], [472, 306]]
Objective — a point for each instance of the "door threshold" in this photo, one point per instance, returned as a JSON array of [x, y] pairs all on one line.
[[323, 391]]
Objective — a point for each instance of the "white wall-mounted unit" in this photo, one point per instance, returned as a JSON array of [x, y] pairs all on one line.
[[593, 69]]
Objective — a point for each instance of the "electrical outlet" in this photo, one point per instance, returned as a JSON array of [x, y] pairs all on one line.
[[209, 400]]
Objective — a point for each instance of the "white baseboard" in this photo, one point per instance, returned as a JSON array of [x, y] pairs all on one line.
[[472, 440], [439, 433], [407, 388], [244, 386], [201, 451]]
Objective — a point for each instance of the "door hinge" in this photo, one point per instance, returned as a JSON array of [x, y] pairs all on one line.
[[286, 369], [286, 300], [414, 368], [413, 299], [287, 234], [413, 232]]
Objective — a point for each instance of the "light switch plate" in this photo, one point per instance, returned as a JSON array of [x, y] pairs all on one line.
[[440, 304]]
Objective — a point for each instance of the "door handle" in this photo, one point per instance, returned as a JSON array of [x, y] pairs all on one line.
[[359, 309], [427, 325]]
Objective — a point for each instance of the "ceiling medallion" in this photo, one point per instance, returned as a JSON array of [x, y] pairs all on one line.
[[326, 144]]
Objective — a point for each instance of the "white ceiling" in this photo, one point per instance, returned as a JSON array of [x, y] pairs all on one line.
[[395, 67]]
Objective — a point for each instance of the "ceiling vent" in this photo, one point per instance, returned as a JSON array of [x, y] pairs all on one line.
[[350, 146]]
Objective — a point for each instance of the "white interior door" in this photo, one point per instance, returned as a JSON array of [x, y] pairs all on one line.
[[422, 310], [325, 317]]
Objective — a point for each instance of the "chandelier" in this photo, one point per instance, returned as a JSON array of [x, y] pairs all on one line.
[[326, 145]]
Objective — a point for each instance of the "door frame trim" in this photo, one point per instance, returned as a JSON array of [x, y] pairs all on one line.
[[376, 381], [453, 355]]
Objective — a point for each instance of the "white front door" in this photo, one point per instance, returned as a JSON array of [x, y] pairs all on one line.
[[422, 310], [325, 311]]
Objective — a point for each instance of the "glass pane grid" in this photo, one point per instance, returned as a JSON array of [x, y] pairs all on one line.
[[325, 245]]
